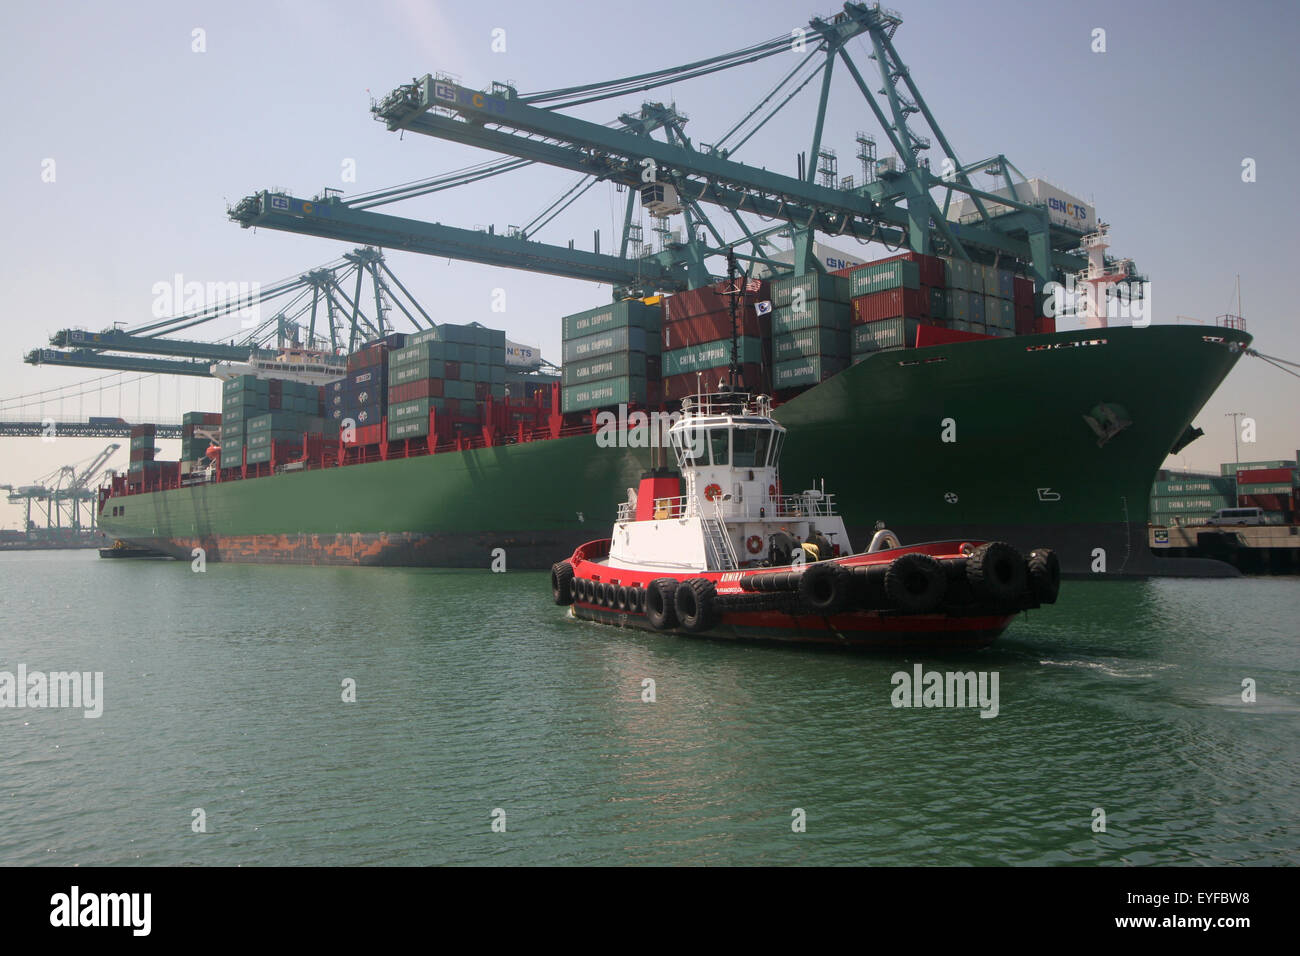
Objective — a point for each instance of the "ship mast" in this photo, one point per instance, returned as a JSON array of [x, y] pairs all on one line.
[[733, 371]]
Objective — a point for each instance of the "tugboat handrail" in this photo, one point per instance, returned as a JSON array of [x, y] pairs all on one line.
[[726, 403], [781, 507]]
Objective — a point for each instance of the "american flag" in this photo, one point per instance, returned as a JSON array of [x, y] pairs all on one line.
[[748, 287]]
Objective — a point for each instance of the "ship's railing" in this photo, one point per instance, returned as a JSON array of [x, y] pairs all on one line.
[[727, 403], [664, 508], [816, 505]]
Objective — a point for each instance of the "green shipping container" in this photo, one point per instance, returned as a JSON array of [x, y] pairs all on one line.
[[1207, 504], [991, 286], [628, 339], [884, 276], [789, 346], [612, 391], [414, 409], [619, 364], [1193, 486], [958, 304], [695, 358], [422, 352], [410, 428], [807, 371], [886, 334], [458, 390], [938, 304], [817, 313], [417, 371], [958, 273], [424, 335], [813, 285], [618, 315]]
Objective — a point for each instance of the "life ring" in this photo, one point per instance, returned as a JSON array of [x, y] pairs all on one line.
[[754, 544], [712, 491]]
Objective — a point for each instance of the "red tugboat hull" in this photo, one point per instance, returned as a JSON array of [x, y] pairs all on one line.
[[877, 607]]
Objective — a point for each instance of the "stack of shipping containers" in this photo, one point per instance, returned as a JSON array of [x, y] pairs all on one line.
[[611, 356], [362, 396], [892, 298], [144, 438], [1273, 486], [697, 341], [811, 318], [1188, 498], [242, 397], [446, 372]]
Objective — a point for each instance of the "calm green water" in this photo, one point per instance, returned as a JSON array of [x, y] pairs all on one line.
[[222, 691]]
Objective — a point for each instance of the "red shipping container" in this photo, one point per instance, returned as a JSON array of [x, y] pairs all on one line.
[[1023, 292], [676, 387], [1265, 476], [893, 304], [1044, 325], [695, 302], [410, 391], [713, 327], [452, 370], [1267, 502], [931, 267]]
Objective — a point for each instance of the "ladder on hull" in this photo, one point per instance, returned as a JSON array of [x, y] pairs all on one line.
[[717, 545]]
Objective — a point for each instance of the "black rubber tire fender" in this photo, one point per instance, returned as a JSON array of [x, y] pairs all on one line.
[[825, 589], [696, 602], [916, 583], [1044, 569], [661, 603], [622, 597], [996, 572], [562, 583]]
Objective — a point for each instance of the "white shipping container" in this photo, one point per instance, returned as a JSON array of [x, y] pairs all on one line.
[[1062, 208]]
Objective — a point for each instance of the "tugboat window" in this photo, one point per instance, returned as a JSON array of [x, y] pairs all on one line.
[[718, 442], [778, 441], [689, 445], [749, 447]]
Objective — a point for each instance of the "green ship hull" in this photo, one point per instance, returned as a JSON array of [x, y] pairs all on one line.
[[1041, 441]]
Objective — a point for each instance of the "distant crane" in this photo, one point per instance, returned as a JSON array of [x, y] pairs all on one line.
[[65, 493]]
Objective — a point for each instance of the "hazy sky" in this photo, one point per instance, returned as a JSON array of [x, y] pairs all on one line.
[[150, 140]]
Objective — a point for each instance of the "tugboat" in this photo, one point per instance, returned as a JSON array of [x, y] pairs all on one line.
[[715, 549]]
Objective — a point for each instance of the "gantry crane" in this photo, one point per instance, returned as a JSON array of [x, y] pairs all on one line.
[[317, 312], [899, 202], [64, 492]]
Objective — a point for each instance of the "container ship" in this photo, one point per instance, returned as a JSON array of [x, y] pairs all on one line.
[[992, 426]]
